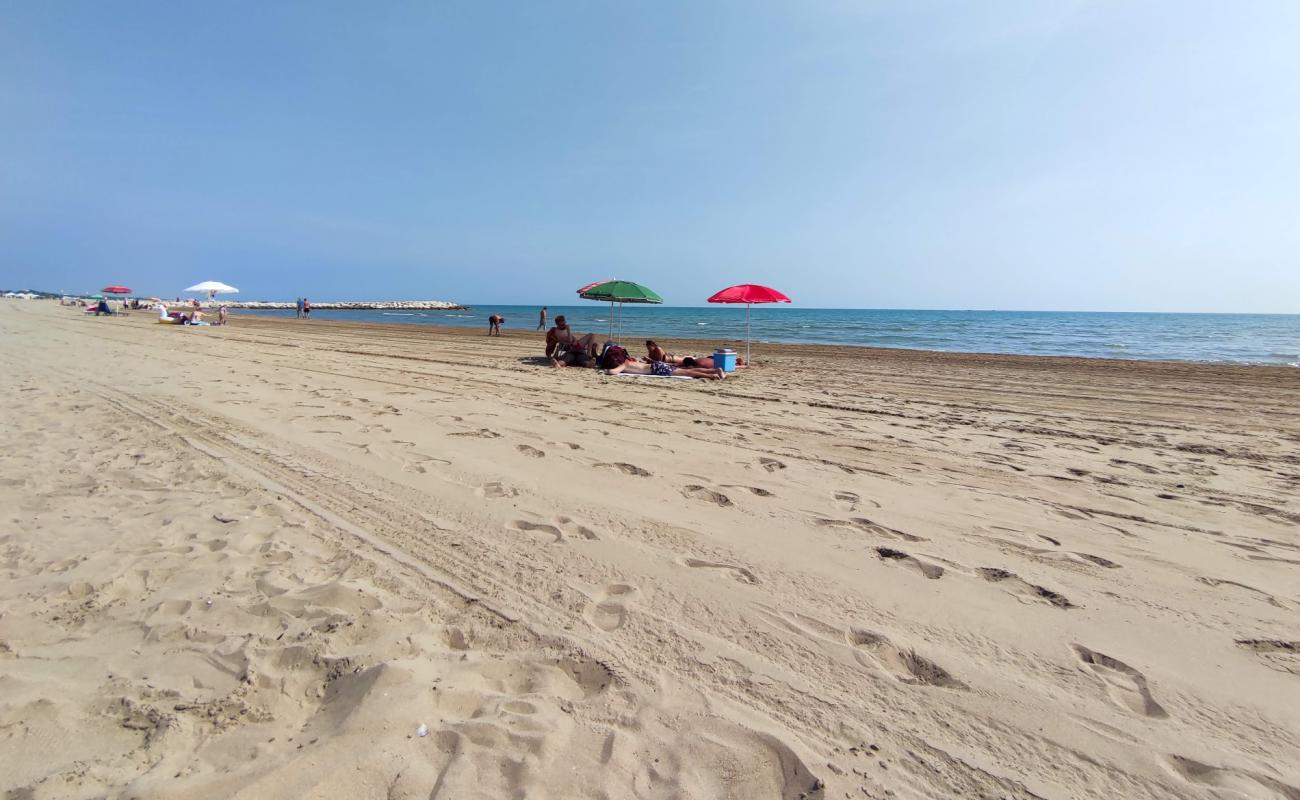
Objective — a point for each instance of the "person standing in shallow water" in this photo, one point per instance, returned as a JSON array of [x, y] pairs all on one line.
[[541, 320], [299, 308]]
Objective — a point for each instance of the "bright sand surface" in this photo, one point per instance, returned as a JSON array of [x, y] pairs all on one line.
[[250, 562]]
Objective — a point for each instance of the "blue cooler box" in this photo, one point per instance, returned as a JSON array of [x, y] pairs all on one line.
[[725, 358]]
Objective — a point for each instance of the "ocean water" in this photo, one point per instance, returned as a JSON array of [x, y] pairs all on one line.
[[1240, 338]]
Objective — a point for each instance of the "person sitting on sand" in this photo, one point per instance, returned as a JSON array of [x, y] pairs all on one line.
[[663, 370], [562, 334]]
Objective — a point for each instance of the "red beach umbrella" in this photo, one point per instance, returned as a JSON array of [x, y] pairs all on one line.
[[748, 293], [593, 285], [115, 290]]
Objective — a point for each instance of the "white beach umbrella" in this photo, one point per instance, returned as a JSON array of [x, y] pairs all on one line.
[[213, 288]]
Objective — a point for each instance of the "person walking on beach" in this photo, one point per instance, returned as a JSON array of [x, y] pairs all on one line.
[[306, 308], [299, 308], [494, 324], [541, 320]]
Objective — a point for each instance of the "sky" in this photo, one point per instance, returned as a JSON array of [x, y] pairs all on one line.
[[1008, 154]]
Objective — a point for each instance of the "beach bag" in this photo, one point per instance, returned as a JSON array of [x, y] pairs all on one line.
[[612, 357]]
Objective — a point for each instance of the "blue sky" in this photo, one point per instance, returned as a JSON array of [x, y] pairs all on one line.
[[1010, 155]]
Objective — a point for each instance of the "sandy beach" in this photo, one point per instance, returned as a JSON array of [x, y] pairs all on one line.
[[290, 559]]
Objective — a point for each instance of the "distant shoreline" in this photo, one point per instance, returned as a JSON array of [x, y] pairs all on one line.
[[812, 349], [351, 305]]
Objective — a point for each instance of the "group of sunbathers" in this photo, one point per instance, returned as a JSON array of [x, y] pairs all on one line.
[[565, 348], [194, 317]]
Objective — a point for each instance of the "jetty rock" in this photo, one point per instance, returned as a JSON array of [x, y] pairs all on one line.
[[353, 305]]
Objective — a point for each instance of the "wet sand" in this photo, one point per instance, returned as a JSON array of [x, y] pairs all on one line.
[[252, 561]]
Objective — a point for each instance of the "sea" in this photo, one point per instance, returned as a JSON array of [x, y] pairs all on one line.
[[1225, 338]]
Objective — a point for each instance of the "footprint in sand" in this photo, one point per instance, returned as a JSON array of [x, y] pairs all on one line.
[[1277, 654], [884, 530], [706, 494], [1021, 588], [530, 451], [420, 463], [929, 570], [564, 527], [874, 650], [546, 531], [738, 573], [1241, 782], [496, 490], [1126, 686], [1091, 559], [609, 612], [626, 469], [754, 490], [573, 528], [481, 433], [590, 675], [771, 464], [847, 501], [867, 526]]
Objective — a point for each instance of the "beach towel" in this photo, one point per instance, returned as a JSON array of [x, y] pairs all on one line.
[[671, 377]]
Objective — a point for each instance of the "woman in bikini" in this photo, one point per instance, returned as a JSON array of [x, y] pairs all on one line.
[[656, 353]]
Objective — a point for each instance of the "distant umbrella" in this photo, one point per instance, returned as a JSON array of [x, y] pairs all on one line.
[[212, 288], [618, 292], [748, 293], [115, 290]]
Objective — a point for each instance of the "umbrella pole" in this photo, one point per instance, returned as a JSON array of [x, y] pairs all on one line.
[[611, 319], [748, 306]]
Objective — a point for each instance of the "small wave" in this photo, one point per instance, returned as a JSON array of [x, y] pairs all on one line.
[[394, 314], [701, 323]]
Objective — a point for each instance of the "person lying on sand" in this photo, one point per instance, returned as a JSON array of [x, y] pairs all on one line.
[[665, 370], [563, 334], [707, 362], [656, 353], [565, 356]]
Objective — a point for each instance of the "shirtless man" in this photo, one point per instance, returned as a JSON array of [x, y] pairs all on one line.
[[562, 334]]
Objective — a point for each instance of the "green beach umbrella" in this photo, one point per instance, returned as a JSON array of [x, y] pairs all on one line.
[[619, 292]]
